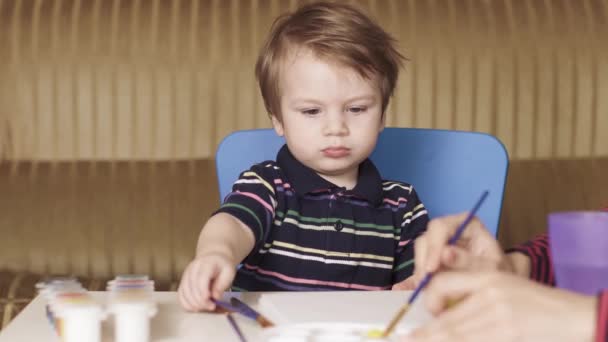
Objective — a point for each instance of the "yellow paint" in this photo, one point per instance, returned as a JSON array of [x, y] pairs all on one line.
[[375, 333]]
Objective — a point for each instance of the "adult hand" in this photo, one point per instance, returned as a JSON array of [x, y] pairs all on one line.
[[476, 248], [495, 306]]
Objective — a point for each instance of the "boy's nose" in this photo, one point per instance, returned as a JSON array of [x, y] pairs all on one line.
[[336, 125]]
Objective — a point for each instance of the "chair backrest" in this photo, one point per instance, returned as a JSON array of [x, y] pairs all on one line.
[[449, 169]]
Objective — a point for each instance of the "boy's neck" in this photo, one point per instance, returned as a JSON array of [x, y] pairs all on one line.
[[347, 180]]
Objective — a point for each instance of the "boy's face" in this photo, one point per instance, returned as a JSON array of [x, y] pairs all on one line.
[[331, 116]]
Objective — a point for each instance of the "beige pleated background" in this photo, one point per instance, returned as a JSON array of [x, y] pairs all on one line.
[[150, 79]]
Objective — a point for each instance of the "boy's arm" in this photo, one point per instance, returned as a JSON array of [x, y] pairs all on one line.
[[225, 235], [223, 242], [228, 237], [243, 220]]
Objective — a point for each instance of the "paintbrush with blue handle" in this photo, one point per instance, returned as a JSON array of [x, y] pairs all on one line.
[[393, 323]]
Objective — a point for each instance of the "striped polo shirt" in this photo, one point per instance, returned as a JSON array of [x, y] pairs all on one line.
[[313, 235]]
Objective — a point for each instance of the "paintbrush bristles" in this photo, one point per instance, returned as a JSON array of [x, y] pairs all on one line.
[[261, 319], [265, 323], [395, 320]]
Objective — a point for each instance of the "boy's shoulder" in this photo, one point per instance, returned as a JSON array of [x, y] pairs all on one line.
[[394, 189], [401, 195], [268, 169]]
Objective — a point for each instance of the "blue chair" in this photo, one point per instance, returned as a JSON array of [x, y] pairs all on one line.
[[449, 169]]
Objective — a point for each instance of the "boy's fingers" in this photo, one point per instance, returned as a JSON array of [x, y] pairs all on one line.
[[192, 304], [203, 281], [222, 281], [203, 284], [181, 294], [187, 290], [183, 301], [196, 286]]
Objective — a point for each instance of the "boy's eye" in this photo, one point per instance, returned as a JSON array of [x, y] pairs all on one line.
[[357, 109], [313, 111]]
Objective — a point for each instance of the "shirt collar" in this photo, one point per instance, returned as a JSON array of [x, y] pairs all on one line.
[[304, 180]]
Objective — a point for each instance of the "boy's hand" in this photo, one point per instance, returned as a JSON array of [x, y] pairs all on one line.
[[476, 248], [206, 277]]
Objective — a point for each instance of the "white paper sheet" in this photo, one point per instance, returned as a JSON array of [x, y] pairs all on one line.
[[343, 307]]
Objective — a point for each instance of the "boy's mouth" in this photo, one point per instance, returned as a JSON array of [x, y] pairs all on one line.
[[336, 152]]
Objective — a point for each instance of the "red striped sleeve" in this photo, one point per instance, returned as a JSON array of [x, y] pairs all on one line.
[[541, 268], [601, 333]]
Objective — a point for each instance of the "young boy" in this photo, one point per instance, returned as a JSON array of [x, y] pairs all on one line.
[[319, 217]]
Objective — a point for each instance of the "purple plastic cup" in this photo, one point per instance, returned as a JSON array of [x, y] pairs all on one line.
[[579, 248]]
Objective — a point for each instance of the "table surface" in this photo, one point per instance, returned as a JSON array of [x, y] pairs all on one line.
[[173, 324]]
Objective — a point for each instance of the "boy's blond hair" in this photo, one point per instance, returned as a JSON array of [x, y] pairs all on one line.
[[333, 31]]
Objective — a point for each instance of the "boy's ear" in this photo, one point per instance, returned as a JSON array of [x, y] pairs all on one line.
[[382, 122], [278, 126]]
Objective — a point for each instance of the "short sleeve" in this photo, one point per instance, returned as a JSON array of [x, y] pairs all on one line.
[[253, 200], [413, 224]]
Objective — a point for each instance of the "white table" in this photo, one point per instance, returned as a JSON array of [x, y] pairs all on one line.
[[173, 324]]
